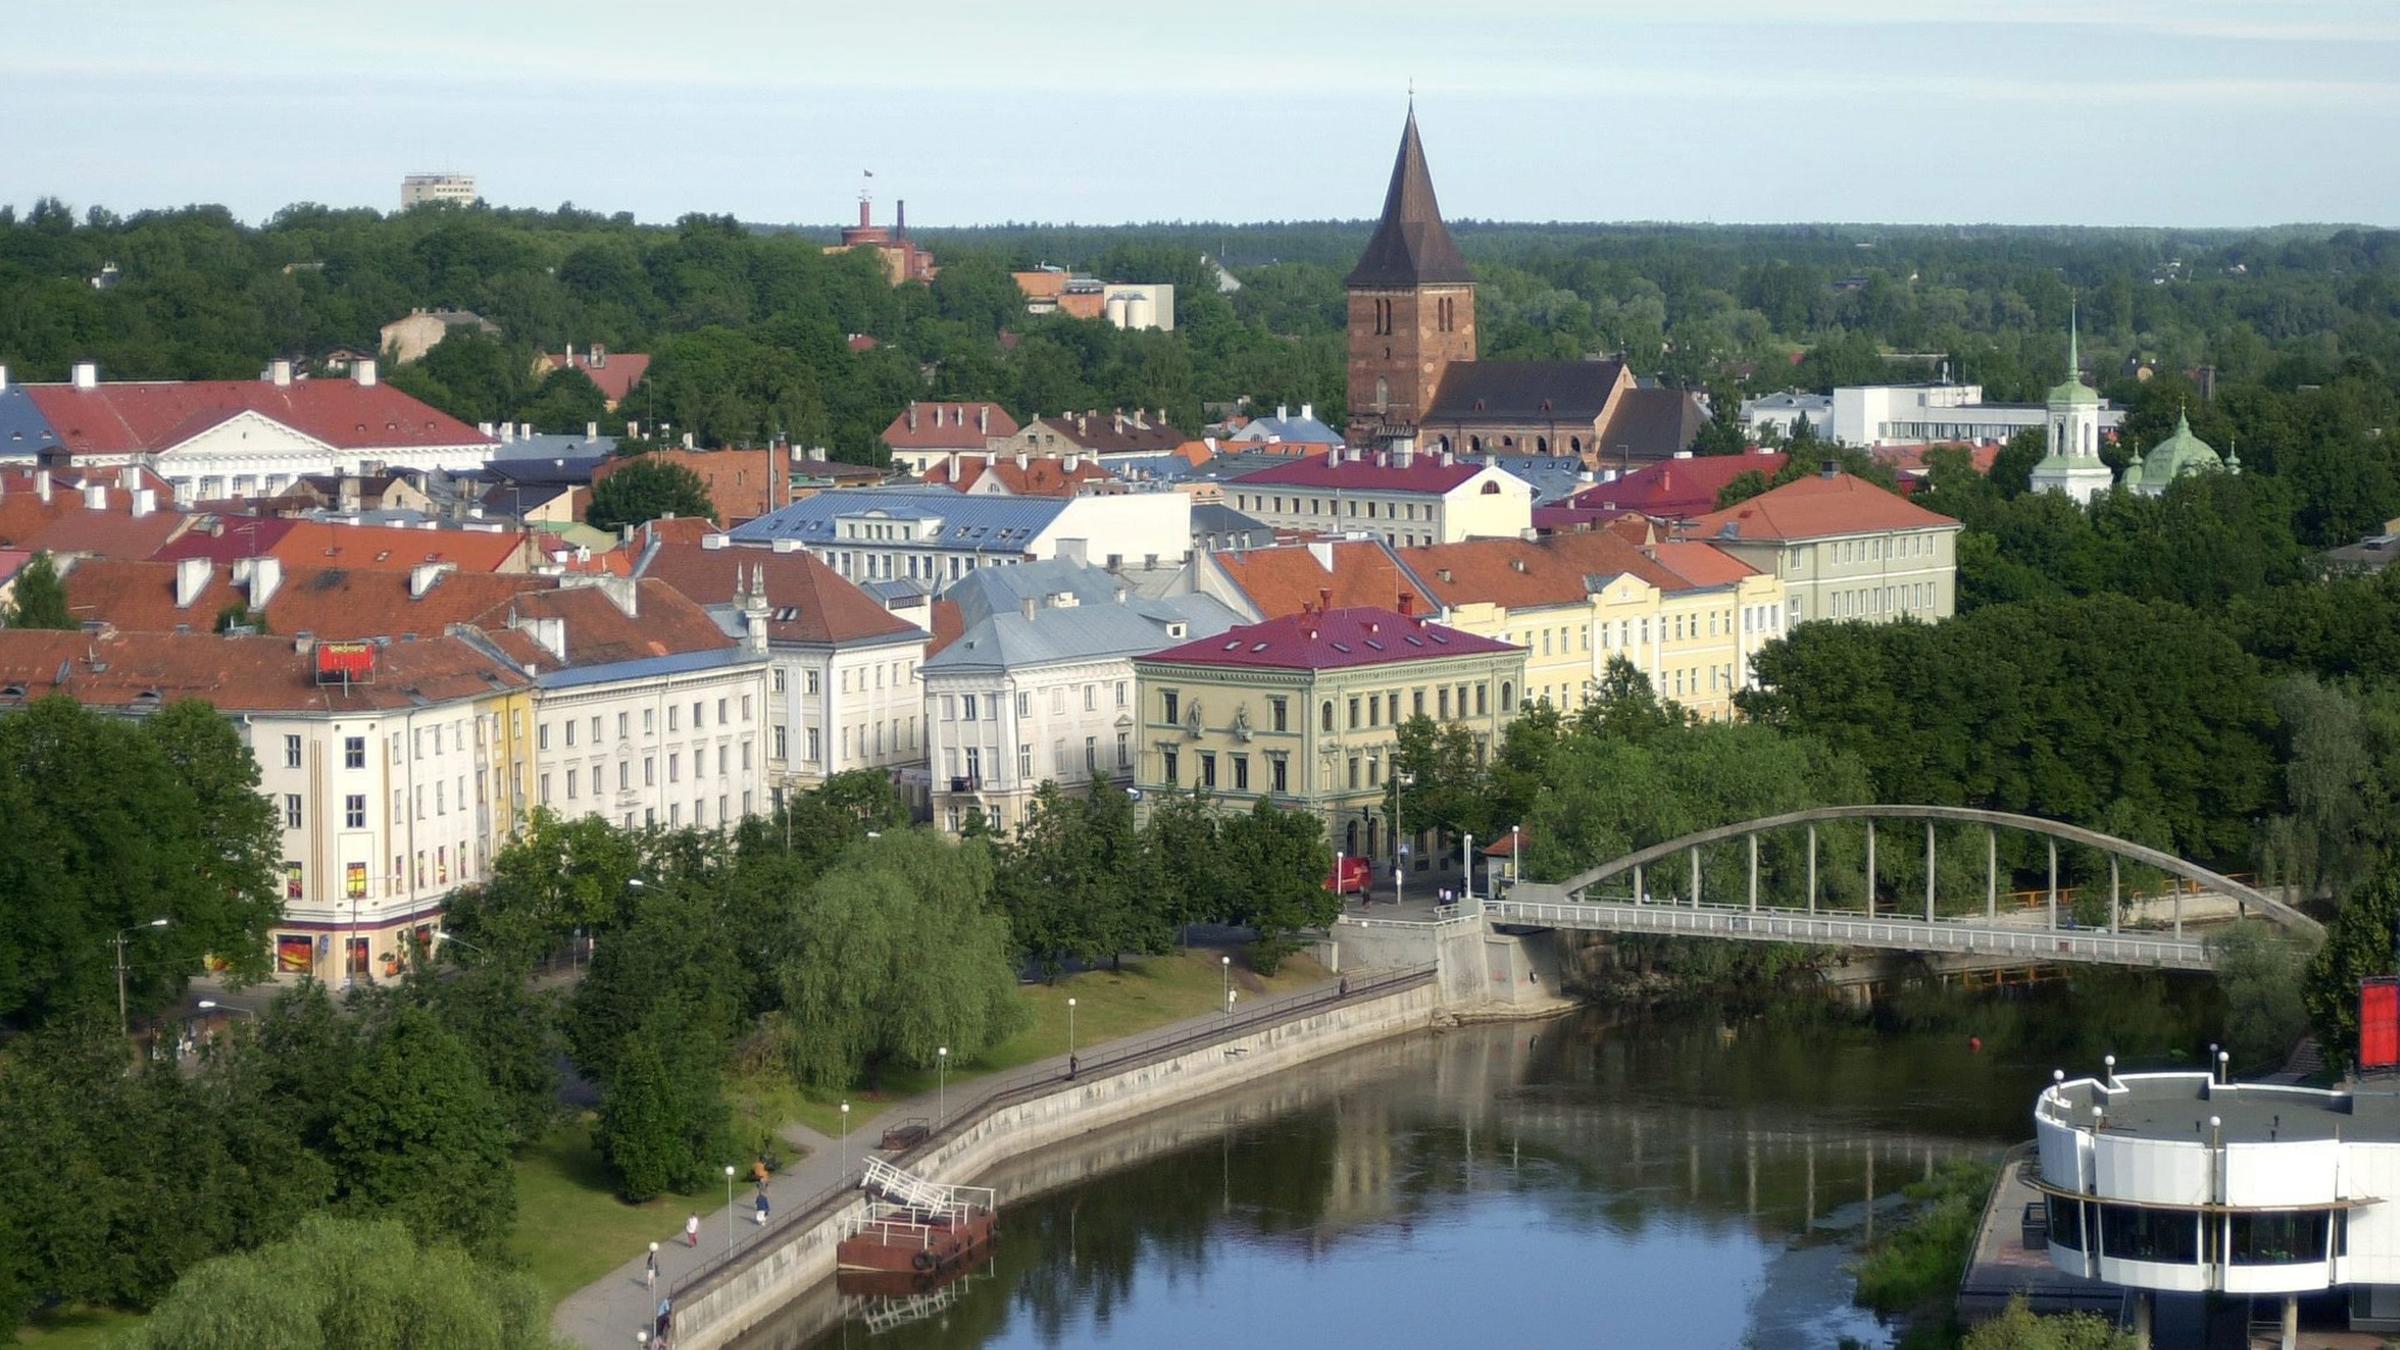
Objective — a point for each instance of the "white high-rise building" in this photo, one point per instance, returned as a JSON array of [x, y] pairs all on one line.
[[2072, 424]]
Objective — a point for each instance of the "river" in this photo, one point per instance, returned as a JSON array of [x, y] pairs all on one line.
[[1689, 1178]]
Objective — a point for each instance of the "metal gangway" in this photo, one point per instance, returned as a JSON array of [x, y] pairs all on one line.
[[920, 1196]]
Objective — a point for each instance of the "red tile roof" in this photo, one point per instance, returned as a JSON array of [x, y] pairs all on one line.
[[330, 602], [1676, 489], [1333, 639], [1039, 477], [1282, 581], [806, 600], [1556, 570], [1425, 473], [239, 674], [616, 375], [948, 426], [599, 633], [949, 625], [152, 416], [317, 543], [1815, 507]]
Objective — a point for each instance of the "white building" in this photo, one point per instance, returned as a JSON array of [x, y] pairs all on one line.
[[395, 768], [842, 687], [2183, 1183], [215, 439], [2072, 422], [935, 536], [416, 189], [1844, 549], [1779, 413], [1139, 305], [646, 712], [1909, 414], [1038, 685], [1405, 498]]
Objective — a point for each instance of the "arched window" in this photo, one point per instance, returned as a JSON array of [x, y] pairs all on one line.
[[1575, 445], [1541, 445], [1475, 444], [1383, 393], [1325, 717], [1491, 489], [1508, 695]]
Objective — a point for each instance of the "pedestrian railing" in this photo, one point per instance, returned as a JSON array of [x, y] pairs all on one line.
[[1026, 1085]]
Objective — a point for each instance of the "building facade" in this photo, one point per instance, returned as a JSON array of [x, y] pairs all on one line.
[[1843, 549], [933, 536], [1405, 497], [927, 433], [419, 189], [1306, 710]]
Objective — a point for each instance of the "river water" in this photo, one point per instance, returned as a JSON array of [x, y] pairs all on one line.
[[1697, 1178]]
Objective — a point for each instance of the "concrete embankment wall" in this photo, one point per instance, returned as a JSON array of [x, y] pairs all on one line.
[[794, 1264]]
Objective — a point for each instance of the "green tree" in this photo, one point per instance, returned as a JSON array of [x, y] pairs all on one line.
[[2358, 944], [646, 489], [357, 1284], [1277, 862], [39, 597], [417, 1134], [2260, 971], [556, 876], [2019, 1328], [565, 403], [2341, 768], [663, 1118]]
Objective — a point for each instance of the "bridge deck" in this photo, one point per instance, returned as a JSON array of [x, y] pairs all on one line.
[[1851, 930]]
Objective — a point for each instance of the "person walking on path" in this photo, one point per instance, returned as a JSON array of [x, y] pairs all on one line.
[[762, 1206], [691, 1231], [650, 1268]]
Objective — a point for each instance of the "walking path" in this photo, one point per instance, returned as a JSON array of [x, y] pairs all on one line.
[[607, 1312]]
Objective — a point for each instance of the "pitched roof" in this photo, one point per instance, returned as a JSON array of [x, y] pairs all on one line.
[[238, 674], [319, 543], [806, 600], [1563, 569], [152, 416], [742, 484], [1337, 573], [616, 373], [1653, 423], [1333, 639], [968, 523], [1816, 507], [1411, 246], [1102, 630], [599, 633], [1675, 489], [1033, 477], [1114, 433], [330, 602], [1525, 391], [948, 426], [1425, 473]]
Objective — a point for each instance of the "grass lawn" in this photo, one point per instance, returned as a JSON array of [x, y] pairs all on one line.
[[76, 1328], [571, 1228], [1147, 994]]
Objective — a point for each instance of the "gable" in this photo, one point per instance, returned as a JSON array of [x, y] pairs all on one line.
[[245, 433]]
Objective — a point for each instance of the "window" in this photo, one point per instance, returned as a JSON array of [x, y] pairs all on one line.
[[1482, 692], [571, 776], [2172, 1236], [1508, 695], [291, 752], [775, 680], [1442, 702], [966, 707], [1208, 769], [1279, 714], [1121, 693], [808, 682], [291, 810], [1124, 750], [721, 706], [674, 717], [1058, 700], [649, 721], [1091, 755], [745, 708], [674, 767], [570, 733], [1354, 712], [1167, 758], [1091, 698], [354, 752], [1025, 763], [545, 789], [974, 765], [1168, 701], [1354, 772], [595, 731], [1325, 717], [745, 758], [354, 811], [815, 746], [697, 721], [1279, 768], [1416, 702], [649, 771], [1241, 773], [624, 775], [2258, 1239]]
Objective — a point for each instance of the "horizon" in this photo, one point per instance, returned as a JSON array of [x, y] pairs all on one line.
[[2154, 115]]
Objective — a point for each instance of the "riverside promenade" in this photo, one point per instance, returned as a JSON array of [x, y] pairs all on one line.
[[608, 1312]]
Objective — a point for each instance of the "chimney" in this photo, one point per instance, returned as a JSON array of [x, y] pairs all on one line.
[[591, 431], [595, 357], [865, 210], [3, 379], [508, 432], [279, 373], [1072, 460], [1282, 413], [1831, 470], [41, 484], [1308, 412], [145, 501], [900, 217], [983, 415], [425, 576], [1020, 461], [1408, 604], [95, 496], [266, 577], [1026, 607], [687, 441], [87, 375], [364, 373], [912, 415], [525, 431], [191, 578], [1324, 599], [1118, 421]]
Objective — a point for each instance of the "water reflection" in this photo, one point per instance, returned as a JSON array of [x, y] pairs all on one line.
[[1690, 1179]]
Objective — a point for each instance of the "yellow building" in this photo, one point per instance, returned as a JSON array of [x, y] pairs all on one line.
[[1687, 615], [1306, 709]]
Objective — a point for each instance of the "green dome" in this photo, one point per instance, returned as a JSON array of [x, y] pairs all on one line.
[[2073, 391], [2174, 457]]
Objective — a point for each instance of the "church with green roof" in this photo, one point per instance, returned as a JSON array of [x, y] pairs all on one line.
[[2182, 453]]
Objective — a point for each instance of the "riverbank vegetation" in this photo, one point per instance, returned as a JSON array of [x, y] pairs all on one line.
[[1913, 1272]]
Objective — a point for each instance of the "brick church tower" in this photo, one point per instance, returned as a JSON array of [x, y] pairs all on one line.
[[1412, 303]]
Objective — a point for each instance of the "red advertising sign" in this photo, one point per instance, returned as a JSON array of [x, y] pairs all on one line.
[[2379, 1023], [345, 661]]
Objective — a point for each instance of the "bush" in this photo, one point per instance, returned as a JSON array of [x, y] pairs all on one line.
[[1918, 1266]]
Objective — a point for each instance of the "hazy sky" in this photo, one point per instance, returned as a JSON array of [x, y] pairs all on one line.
[[2195, 112]]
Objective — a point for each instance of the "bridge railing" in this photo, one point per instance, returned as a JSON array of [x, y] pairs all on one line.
[[1857, 930]]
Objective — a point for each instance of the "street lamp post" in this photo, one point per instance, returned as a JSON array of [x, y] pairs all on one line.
[[1070, 1030], [845, 1141], [941, 1091], [1399, 834], [729, 1206], [124, 1023]]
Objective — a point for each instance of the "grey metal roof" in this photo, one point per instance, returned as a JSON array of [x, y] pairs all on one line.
[[1218, 526], [547, 446], [1081, 632], [23, 429], [996, 590], [969, 523], [676, 663], [1554, 477], [1283, 428]]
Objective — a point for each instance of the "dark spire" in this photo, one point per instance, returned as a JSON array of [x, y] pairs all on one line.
[[1411, 246]]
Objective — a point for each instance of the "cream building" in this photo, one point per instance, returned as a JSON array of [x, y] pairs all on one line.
[[1306, 709], [1843, 549], [1402, 497]]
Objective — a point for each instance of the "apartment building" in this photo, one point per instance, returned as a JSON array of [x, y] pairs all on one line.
[[1844, 549], [934, 536], [1406, 498]]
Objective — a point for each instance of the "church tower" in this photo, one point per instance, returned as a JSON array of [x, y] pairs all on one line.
[[1412, 303], [2073, 465]]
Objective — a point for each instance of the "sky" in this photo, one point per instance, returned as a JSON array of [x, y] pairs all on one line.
[[2108, 112]]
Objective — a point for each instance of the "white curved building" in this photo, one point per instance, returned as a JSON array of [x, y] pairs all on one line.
[[2181, 1183]]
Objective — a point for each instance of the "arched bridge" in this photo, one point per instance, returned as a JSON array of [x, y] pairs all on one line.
[[1845, 912]]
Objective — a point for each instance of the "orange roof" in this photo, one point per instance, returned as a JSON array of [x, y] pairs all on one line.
[[1817, 507], [948, 426], [238, 674], [948, 626], [1023, 476], [1556, 570], [806, 600], [616, 374], [318, 543], [599, 633], [330, 602], [1280, 581], [1701, 564]]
